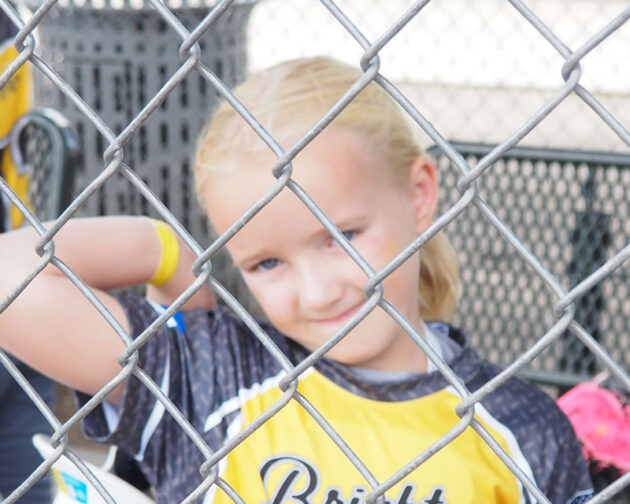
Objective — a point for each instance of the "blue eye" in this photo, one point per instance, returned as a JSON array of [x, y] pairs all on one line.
[[348, 235], [267, 264]]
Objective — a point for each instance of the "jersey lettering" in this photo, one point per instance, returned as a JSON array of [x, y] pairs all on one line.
[[294, 480]]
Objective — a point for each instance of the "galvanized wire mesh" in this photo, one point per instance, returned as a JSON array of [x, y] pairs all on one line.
[[471, 185], [46, 144], [571, 209], [464, 68]]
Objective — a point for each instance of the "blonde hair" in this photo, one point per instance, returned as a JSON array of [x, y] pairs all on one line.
[[290, 98]]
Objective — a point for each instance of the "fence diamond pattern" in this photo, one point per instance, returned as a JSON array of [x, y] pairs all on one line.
[[469, 174]]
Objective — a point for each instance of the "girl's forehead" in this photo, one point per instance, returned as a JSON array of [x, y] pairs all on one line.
[[336, 166]]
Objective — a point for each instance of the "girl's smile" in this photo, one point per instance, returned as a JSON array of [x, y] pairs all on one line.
[[307, 285], [340, 319]]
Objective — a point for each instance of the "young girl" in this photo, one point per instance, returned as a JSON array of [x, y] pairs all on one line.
[[375, 387]]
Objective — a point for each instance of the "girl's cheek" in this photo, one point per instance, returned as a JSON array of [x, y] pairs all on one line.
[[379, 251], [275, 300], [391, 248], [257, 290]]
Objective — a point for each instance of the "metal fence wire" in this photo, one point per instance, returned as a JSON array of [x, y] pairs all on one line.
[[505, 242], [571, 209]]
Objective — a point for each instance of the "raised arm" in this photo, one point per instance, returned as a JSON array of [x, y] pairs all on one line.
[[52, 326]]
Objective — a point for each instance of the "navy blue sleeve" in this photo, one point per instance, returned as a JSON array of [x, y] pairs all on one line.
[[544, 434], [199, 360]]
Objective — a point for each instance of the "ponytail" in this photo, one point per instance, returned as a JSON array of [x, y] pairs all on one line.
[[439, 280]]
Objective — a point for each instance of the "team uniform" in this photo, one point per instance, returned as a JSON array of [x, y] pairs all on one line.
[[222, 378]]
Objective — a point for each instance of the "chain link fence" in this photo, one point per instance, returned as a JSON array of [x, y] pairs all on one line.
[[486, 205], [464, 68], [571, 209]]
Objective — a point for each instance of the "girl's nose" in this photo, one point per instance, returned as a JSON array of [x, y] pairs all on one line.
[[321, 285]]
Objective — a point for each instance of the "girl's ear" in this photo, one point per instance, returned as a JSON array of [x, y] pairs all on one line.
[[424, 185]]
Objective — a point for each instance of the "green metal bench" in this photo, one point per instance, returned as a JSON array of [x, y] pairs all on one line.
[[572, 210], [44, 142]]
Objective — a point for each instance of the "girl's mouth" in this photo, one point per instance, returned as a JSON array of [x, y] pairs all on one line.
[[341, 318]]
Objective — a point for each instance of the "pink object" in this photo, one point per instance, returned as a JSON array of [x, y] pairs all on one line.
[[601, 423]]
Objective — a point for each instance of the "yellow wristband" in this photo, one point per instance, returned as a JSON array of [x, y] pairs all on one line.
[[170, 254]]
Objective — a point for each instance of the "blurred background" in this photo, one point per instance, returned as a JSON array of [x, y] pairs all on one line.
[[476, 71]]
